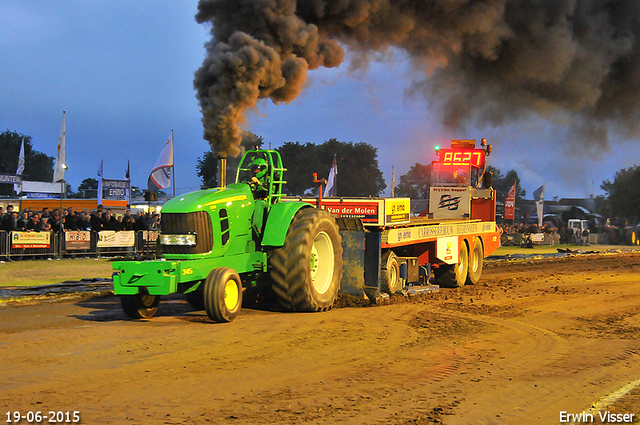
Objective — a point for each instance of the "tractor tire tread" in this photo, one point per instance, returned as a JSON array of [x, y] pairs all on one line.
[[288, 264]]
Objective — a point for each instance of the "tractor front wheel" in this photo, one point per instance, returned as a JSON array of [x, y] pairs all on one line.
[[222, 294], [307, 270], [140, 306]]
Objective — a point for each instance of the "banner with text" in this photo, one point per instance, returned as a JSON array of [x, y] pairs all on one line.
[[110, 238], [30, 239], [115, 189], [510, 203], [77, 239], [10, 178]]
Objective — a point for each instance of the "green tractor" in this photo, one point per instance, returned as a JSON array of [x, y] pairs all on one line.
[[218, 243]]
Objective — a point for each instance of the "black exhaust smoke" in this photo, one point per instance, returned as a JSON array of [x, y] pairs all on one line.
[[478, 61]]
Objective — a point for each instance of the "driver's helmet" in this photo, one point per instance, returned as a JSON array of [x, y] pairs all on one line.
[[258, 168]]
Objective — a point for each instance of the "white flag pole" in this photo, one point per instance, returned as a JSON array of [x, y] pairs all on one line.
[[100, 178], [173, 165], [58, 172]]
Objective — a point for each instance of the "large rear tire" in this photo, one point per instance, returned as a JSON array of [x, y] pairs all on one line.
[[307, 270], [455, 275], [390, 281], [222, 294], [628, 236], [140, 306], [476, 260]]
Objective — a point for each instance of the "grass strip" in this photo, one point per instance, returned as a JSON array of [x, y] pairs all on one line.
[[47, 272]]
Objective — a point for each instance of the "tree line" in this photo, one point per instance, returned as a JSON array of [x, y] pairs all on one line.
[[358, 170], [38, 166], [358, 173]]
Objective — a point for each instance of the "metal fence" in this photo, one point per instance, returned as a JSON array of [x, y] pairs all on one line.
[[20, 245]]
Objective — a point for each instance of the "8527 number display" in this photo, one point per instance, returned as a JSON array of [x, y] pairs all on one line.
[[458, 157]]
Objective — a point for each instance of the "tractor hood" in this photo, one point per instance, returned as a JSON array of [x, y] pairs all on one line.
[[205, 200]]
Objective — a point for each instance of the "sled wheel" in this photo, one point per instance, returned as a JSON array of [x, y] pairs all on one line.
[[306, 271], [454, 275], [222, 294], [476, 260], [390, 273], [140, 306]]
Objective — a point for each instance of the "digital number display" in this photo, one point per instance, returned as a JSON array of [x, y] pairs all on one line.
[[457, 158]]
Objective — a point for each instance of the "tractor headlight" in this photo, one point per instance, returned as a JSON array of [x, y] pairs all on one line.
[[185, 240]]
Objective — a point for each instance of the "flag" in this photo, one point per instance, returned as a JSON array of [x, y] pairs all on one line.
[[331, 189], [160, 177], [510, 203], [538, 196], [127, 175], [100, 182], [58, 172], [17, 186], [21, 159]]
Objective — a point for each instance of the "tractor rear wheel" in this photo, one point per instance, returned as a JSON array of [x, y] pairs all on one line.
[[390, 281], [454, 275], [307, 270], [140, 306], [222, 294]]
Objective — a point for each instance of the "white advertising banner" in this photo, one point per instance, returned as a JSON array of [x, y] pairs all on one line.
[[80, 239], [150, 235], [41, 187], [30, 239], [110, 238], [449, 202], [410, 235], [447, 249]]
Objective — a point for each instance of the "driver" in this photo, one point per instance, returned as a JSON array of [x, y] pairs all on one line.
[[459, 177], [259, 177]]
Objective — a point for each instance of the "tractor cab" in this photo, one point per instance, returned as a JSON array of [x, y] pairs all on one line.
[[461, 175], [462, 165], [460, 186], [263, 170]]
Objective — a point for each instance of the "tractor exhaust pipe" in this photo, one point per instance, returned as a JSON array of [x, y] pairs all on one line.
[[222, 172]]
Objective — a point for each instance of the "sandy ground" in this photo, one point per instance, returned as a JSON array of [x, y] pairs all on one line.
[[532, 340]]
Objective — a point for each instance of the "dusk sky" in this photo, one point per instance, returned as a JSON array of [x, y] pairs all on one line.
[[123, 71]]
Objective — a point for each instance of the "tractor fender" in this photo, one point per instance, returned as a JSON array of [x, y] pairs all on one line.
[[278, 221]]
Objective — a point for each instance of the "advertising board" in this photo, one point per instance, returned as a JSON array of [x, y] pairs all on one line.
[[30, 239], [112, 239], [449, 202], [77, 240]]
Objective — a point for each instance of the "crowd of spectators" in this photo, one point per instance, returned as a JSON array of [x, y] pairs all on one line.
[[523, 231], [69, 219]]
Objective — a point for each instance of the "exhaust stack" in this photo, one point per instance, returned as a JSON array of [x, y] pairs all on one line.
[[222, 172]]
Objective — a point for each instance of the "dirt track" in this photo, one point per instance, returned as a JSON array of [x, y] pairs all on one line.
[[533, 339]]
